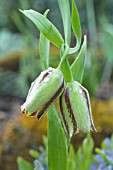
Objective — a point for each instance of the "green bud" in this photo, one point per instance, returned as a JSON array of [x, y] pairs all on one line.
[[43, 92], [75, 109]]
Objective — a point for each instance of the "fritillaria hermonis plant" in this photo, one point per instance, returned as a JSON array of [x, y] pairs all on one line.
[[63, 83]]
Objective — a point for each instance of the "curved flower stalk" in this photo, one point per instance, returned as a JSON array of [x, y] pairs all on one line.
[[75, 109], [43, 92]]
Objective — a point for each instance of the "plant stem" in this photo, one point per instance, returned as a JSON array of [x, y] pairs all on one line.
[[64, 65], [64, 52]]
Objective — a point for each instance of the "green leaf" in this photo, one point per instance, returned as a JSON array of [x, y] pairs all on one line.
[[38, 166], [104, 156], [77, 67], [87, 149], [76, 28], [34, 153], [65, 12], [57, 142], [44, 47], [45, 141], [23, 164], [45, 27], [72, 158], [71, 152]]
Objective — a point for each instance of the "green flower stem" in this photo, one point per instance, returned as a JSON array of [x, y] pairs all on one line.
[[64, 52], [64, 65]]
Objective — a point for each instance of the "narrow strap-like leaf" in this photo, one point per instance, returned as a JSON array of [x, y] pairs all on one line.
[[76, 28], [44, 46], [57, 148], [65, 12], [44, 51], [45, 27], [77, 67]]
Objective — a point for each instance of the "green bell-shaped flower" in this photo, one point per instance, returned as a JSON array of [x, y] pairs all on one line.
[[75, 109], [43, 92]]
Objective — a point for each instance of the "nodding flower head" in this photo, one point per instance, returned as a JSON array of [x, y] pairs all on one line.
[[43, 92], [75, 109]]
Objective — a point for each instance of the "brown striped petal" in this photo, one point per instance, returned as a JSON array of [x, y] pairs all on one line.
[[75, 109], [43, 92]]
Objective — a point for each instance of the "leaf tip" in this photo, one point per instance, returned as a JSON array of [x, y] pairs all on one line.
[[46, 12], [20, 10], [85, 40], [85, 37]]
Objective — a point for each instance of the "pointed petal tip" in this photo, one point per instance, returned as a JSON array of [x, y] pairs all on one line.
[[93, 128], [23, 111]]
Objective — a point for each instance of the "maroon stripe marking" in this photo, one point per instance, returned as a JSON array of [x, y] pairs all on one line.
[[64, 120], [50, 101], [88, 105], [44, 76], [70, 110], [33, 114]]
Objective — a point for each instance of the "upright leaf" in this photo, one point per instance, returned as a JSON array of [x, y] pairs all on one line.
[[76, 28], [77, 67], [44, 46], [45, 27], [44, 57], [57, 148], [72, 158], [87, 149], [65, 12]]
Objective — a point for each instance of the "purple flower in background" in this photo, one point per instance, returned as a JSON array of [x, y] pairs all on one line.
[[99, 158], [108, 142]]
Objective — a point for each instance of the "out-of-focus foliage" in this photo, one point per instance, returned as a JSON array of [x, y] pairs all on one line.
[[10, 42], [104, 157], [91, 70], [12, 83], [106, 40], [8, 7], [83, 158]]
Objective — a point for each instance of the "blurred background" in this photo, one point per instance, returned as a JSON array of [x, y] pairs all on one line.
[[20, 65]]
